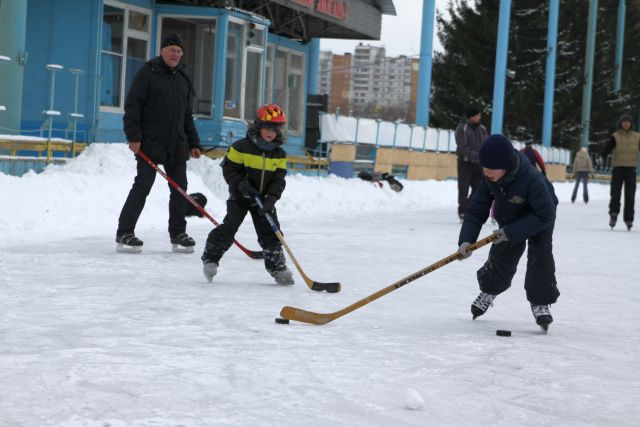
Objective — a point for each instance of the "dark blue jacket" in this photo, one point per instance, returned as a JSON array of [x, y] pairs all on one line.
[[525, 204]]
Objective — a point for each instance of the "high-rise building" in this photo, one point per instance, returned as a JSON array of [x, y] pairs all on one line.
[[368, 82], [335, 80]]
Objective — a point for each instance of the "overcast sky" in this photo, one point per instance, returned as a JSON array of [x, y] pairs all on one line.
[[400, 33]]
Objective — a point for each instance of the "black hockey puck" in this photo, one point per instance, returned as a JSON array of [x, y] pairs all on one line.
[[282, 321], [503, 333]]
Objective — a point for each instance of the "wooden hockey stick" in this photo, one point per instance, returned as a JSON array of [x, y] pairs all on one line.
[[248, 252], [331, 287], [300, 315]]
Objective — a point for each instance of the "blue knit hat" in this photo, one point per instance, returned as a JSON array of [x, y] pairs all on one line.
[[497, 152]]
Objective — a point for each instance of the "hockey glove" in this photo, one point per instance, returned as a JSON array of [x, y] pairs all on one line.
[[464, 251], [268, 206], [247, 190], [502, 236]]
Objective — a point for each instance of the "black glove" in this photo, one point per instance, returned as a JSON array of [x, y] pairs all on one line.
[[268, 206], [247, 190]]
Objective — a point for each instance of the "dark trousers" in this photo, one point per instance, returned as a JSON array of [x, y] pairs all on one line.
[[221, 238], [584, 178], [140, 190], [540, 280], [619, 176], [469, 175]]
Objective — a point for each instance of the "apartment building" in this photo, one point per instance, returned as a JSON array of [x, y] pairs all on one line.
[[369, 79]]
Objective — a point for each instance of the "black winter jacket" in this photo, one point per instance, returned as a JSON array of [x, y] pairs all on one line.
[[525, 204], [157, 112], [265, 170]]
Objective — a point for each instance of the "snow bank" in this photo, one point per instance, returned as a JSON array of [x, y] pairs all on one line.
[[85, 196]]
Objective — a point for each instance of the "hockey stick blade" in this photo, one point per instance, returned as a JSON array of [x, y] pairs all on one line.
[[251, 254], [305, 316], [331, 287]]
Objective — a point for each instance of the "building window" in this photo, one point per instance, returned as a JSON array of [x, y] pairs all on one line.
[[125, 49], [198, 39], [244, 62], [288, 91]]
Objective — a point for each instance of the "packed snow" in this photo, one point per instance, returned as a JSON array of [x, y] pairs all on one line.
[[91, 337]]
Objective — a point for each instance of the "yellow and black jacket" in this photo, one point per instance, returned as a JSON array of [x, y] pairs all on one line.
[[265, 170]]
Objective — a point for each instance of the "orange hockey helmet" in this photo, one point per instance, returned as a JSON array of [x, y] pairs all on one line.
[[271, 114]]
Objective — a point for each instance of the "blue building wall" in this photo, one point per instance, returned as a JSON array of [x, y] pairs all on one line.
[[52, 40], [68, 33]]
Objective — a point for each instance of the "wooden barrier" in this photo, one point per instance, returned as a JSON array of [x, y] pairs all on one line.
[[45, 150]]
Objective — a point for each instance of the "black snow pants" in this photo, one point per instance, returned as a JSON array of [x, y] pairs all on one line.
[[540, 281], [140, 190], [619, 176], [469, 175], [221, 238]]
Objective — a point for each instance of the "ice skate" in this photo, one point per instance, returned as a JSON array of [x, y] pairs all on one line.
[[128, 243], [283, 277], [481, 304], [542, 314], [613, 218], [210, 269], [182, 243], [629, 225]]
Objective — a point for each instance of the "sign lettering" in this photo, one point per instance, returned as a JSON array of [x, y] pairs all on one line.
[[337, 9], [334, 8]]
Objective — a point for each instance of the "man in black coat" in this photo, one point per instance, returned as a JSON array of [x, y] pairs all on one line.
[[158, 121], [525, 211], [469, 136]]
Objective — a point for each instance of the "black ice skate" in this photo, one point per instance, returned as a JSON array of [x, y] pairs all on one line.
[[210, 269], [542, 314], [613, 218], [481, 304], [283, 277], [182, 243], [128, 243], [629, 225]]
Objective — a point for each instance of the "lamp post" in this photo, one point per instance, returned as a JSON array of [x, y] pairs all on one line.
[[4, 60], [75, 115], [54, 68]]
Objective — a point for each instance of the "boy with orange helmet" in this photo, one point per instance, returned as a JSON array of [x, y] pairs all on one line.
[[254, 166]]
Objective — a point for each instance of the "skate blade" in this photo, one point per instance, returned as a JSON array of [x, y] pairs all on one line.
[[182, 249], [125, 249]]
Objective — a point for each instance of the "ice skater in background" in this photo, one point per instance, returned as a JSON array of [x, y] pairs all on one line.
[[525, 211], [582, 168], [254, 166], [624, 145]]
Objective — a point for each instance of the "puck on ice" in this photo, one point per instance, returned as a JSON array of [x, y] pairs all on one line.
[[282, 320], [503, 333]]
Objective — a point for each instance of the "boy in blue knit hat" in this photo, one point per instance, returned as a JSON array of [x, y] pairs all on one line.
[[525, 204]]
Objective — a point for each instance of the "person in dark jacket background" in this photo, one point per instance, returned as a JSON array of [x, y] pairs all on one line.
[[158, 120], [253, 166], [525, 211], [624, 144], [534, 157], [469, 136]]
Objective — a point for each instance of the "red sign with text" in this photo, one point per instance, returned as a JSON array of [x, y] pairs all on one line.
[[337, 9]]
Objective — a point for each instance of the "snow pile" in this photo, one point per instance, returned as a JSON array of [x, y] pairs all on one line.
[[84, 196]]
